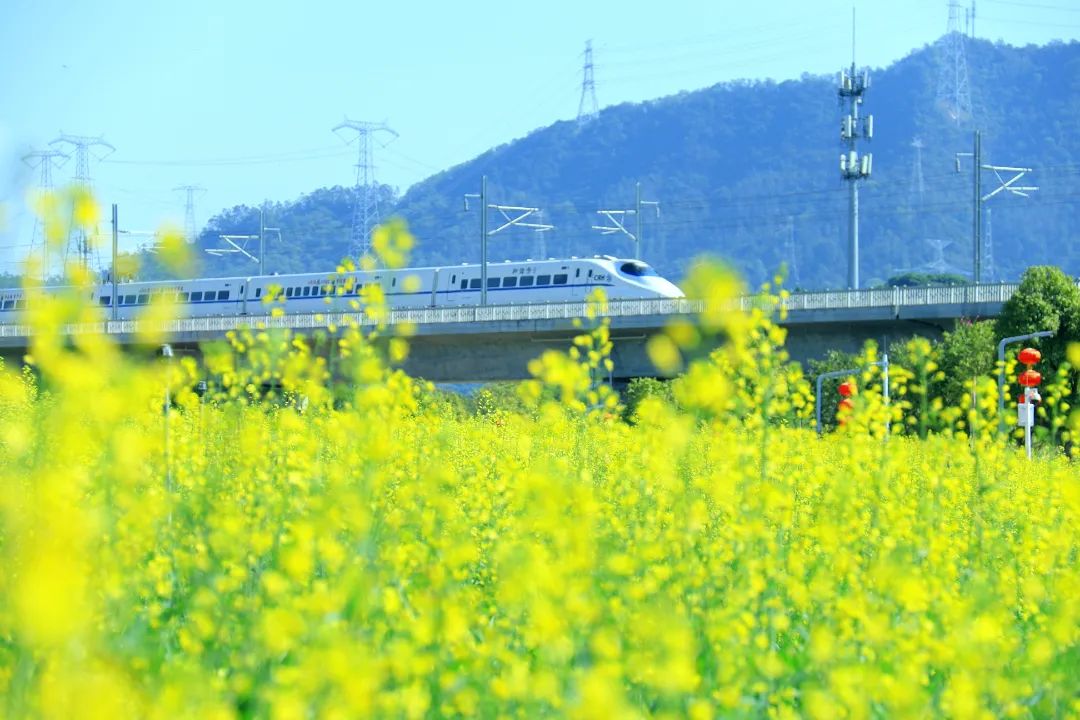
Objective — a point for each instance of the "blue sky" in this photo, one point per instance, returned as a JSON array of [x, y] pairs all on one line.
[[240, 96]]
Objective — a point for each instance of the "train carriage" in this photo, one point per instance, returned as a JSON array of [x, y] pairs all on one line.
[[518, 282]]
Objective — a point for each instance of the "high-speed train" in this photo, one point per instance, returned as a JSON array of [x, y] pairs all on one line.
[[529, 281]]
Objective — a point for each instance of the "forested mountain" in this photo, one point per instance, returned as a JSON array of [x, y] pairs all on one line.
[[750, 171]]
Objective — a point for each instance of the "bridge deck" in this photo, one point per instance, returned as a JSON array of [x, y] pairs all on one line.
[[808, 307]]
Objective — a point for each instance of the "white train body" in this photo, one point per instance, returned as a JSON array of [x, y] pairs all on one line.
[[539, 281]]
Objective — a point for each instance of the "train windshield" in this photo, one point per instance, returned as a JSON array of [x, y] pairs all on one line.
[[636, 269]]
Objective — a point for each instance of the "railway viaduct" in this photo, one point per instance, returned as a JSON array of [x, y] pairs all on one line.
[[496, 342]]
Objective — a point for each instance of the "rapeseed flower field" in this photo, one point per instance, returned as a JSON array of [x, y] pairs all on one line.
[[369, 551]]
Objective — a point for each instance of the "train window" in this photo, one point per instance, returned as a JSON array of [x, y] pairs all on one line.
[[577, 273], [182, 297], [543, 280], [464, 284], [637, 269], [223, 295], [590, 273], [474, 284], [196, 297], [493, 282], [393, 283], [288, 292], [560, 279], [453, 281], [306, 292], [509, 282], [258, 293], [105, 300], [9, 304], [143, 299], [527, 280]]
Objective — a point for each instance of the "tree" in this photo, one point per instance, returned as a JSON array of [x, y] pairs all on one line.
[[965, 353], [1047, 299]]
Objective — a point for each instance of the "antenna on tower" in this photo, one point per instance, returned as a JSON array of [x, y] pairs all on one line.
[[189, 209], [366, 192], [953, 87], [45, 161], [83, 151], [854, 167], [588, 108]]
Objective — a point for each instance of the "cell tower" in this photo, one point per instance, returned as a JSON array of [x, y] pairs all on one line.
[[189, 210], [366, 192], [953, 88], [44, 161], [854, 168], [588, 108], [83, 146]]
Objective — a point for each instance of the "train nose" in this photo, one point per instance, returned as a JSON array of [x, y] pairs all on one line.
[[666, 288]]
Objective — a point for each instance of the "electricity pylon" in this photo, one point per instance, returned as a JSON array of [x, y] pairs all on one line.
[[83, 145], [366, 207]]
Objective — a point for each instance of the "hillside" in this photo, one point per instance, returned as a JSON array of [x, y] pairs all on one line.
[[749, 171]]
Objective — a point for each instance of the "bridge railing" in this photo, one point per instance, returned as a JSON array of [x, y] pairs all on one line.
[[465, 314]]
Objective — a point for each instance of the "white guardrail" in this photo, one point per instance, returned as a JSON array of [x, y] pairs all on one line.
[[822, 300]]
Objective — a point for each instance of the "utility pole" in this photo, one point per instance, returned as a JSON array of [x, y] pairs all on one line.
[[617, 218], [83, 150], [978, 198], [854, 168], [976, 232], [918, 186], [588, 108], [44, 161], [114, 301], [366, 207], [262, 243], [793, 258], [519, 215], [541, 242]]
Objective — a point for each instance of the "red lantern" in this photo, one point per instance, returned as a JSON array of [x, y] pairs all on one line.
[[1029, 356], [1030, 378], [845, 404], [847, 389]]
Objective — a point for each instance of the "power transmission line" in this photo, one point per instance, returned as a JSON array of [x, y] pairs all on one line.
[[588, 108], [44, 161], [953, 87], [83, 146], [366, 207], [189, 209]]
